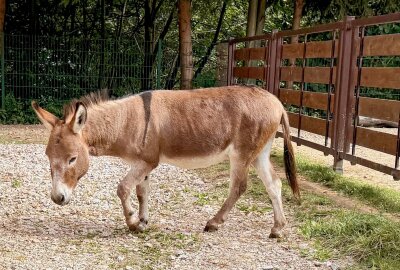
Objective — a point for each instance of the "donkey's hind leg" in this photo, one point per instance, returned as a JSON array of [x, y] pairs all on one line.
[[135, 178], [239, 175], [274, 186]]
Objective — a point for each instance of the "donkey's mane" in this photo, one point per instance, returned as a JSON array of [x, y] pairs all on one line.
[[90, 100]]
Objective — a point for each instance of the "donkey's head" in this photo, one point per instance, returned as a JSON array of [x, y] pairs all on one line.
[[67, 151]]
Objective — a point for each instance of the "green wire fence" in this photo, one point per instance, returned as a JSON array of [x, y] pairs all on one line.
[[53, 70]]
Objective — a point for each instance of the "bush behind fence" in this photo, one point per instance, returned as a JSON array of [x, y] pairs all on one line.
[[54, 70]]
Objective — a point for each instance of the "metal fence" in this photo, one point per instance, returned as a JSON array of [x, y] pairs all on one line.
[[334, 75], [56, 69]]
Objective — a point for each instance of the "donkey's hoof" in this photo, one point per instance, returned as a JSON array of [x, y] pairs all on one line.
[[275, 234], [211, 228], [138, 227]]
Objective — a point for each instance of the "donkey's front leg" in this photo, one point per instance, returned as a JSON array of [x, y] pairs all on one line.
[[142, 193], [135, 177]]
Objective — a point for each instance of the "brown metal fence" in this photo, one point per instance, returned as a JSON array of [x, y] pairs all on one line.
[[321, 80]]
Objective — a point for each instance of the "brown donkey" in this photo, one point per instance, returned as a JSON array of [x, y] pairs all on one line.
[[189, 129]]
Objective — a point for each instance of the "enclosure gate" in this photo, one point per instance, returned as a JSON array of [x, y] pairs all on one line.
[[324, 74]]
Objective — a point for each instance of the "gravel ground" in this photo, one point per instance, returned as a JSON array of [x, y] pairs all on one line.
[[90, 232]]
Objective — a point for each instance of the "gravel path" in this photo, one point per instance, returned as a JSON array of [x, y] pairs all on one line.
[[90, 232]]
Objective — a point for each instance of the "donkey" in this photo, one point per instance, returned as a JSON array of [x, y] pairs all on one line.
[[189, 129]]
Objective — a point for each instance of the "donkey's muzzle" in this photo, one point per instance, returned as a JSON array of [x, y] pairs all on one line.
[[59, 199]]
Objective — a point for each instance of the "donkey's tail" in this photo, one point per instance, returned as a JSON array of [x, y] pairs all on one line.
[[288, 156]]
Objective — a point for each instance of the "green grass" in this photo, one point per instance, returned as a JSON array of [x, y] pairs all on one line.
[[16, 183], [8, 140], [202, 199], [373, 241], [382, 198]]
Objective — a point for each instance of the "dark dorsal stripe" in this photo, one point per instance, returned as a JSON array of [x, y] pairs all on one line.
[[146, 97]]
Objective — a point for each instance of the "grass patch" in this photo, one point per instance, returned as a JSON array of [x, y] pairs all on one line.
[[16, 183], [246, 208], [383, 198], [202, 199], [156, 247], [372, 240]]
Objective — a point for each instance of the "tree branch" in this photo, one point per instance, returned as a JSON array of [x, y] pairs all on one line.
[[204, 59]]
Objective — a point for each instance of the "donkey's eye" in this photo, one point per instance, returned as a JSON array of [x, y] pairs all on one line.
[[72, 160]]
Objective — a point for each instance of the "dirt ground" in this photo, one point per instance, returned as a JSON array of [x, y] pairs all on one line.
[[90, 233]]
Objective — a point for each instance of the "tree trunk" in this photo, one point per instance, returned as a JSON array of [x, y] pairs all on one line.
[[372, 122], [2, 17], [297, 14], [251, 20], [185, 44], [147, 65], [204, 59], [2, 14], [262, 5]]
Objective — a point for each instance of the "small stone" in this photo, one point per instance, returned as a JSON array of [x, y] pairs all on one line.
[[334, 266], [120, 258], [303, 246], [128, 267], [149, 245], [317, 263], [268, 267]]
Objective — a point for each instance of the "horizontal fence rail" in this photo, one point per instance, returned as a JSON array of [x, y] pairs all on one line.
[[332, 78]]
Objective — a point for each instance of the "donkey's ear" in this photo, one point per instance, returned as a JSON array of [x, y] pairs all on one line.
[[48, 119], [79, 118]]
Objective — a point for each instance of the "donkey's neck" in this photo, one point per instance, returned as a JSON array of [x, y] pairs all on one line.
[[105, 123]]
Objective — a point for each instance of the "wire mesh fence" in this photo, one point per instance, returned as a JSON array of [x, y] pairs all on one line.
[[54, 70]]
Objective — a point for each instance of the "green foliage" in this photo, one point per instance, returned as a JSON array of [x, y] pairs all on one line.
[[14, 113], [19, 111], [372, 240], [205, 79]]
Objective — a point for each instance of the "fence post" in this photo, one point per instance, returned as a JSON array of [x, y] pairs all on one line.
[[343, 95], [273, 65], [159, 64], [3, 94], [231, 49]]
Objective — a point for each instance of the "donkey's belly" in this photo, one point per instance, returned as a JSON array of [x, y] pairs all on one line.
[[197, 161]]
